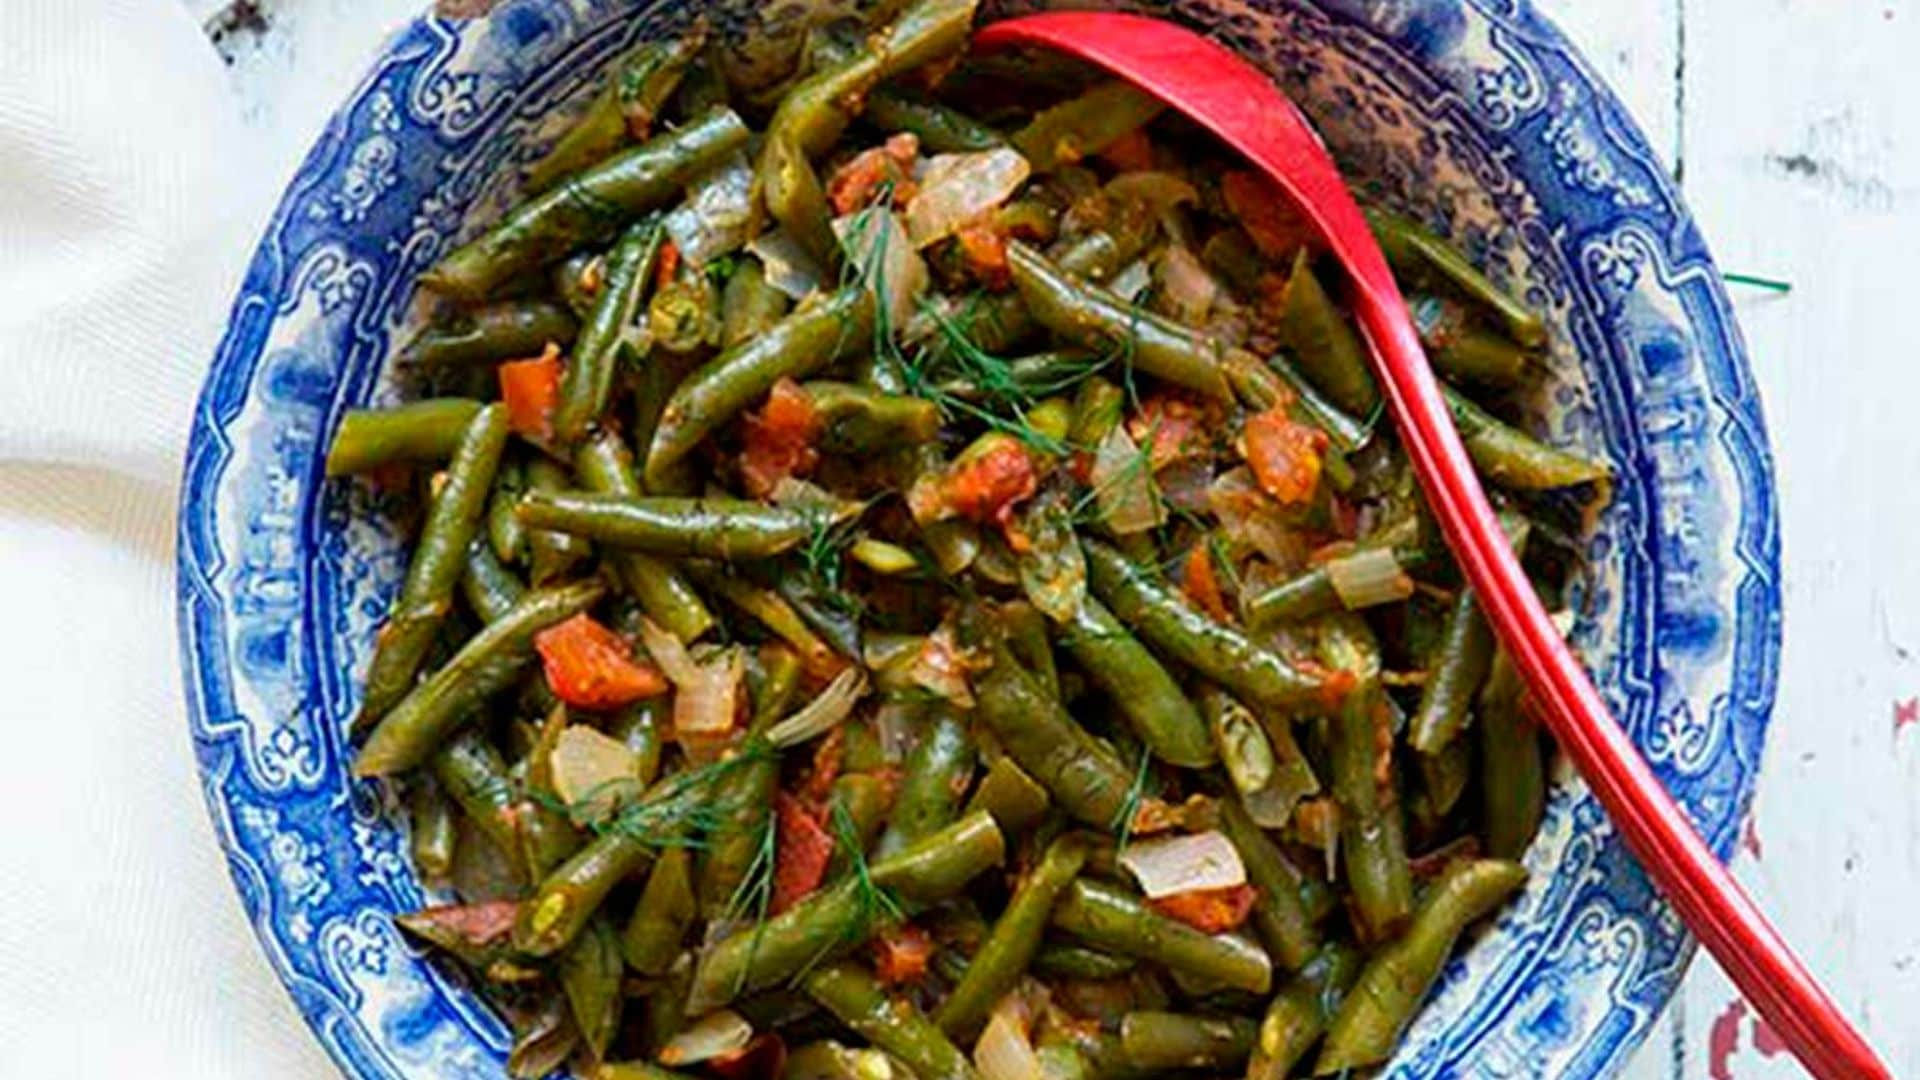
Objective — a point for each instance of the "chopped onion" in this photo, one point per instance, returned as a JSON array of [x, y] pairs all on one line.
[[1003, 1052], [1123, 486], [706, 693], [1369, 578], [666, 651], [1252, 521], [1244, 748], [788, 266], [824, 713], [714, 219], [1131, 281], [958, 188], [941, 668], [877, 248], [1188, 287], [592, 773], [1178, 864], [716, 1034]]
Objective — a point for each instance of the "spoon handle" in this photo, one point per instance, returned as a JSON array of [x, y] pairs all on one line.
[[1214, 86]]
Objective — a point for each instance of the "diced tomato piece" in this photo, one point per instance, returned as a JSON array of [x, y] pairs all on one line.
[[827, 759], [591, 667], [1171, 428], [1131, 152], [858, 182], [986, 487], [669, 266], [779, 439], [1285, 455], [983, 248], [1197, 580], [530, 389], [802, 848], [1266, 213], [900, 955], [1210, 911]]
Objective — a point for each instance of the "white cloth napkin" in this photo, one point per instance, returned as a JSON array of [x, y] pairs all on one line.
[[127, 209]]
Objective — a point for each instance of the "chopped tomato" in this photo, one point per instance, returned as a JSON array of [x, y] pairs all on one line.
[[1172, 429], [669, 265], [1132, 152], [858, 182], [1285, 455], [986, 487], [803, 849], [1210, 911], [530, 389], [1335, 685], [1266, 213], [984, 250], [779, 439], [900, 955], [1200, 584], [827, 759], [591, 667]]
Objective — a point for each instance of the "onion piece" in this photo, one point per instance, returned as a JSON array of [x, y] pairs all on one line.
[[1131, 281], [941, 667], [716, 1034], [667, 652], [706, 693], [1369, 578], [1251, 520], [592, 773], [958, 188], [788, 266], [1003, 1052], [876, 247], [1178, 864], [1187, 286], [714, 219], [1123, 486], [824, 713]]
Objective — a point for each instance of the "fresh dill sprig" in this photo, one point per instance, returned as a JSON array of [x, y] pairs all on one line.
[[875, 902], [755, 891], [679, 811], [1130, 806]]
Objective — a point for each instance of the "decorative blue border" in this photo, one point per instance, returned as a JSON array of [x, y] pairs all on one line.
[[1475, 114]]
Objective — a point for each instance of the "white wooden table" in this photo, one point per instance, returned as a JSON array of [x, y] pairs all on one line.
[[1791, 124]]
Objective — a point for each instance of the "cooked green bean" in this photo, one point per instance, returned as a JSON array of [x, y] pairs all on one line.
[[547, 837], [660, 918], [749, 306], [1085, 125], [551, 554], [1164, 1040], [859, 420], [1412, 249], [1109, 919], [672, 525], [507, 330], [797, 202], [1511, 457], [936, 778], [474, 776], [1003, 958], [1464, 351], [605, 467], [1311, 592], [1059, 960], [800, 345], [1300, 1012], [889, 1023], [1279, 917], [1016, 800], [578, 281], [941, 130], [505, 534], [1154, 705], [1373, 843], [431, 830], [1513, 781], [588, 382], [427, 595], [1396, 978], [626, 106], [418, 432], [1454, 676], [1325, 344], [590, 206], [590, 973]]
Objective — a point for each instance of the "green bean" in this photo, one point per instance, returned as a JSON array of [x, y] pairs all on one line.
[[427, 595], [827, 612], [551, 554], [1280, 918], [1003, 958], [489, 662], [744, 803], [636, 1070], [1098, 408], [473, 775], [1109, 919], [475, 933], [1382, 1003], [489, 588], [1014, 799], [625, 107], [1464, 351], [827, 1060], [543, 1039], [547, 837], [579, 280], [1443, 780], [591, 206], [1030, 642], [1513, 783], [1153, 704], [797, 202], [1059, 960], [431, 830], [1164, 1040], [505, 534], [605, 467], [1169, 622], [665, 1012], [683, 319], [861, 800], [1083, 126], [640, 727], [802, 343], [838, 918], [420, 431], [1300, 1012], [1373, 843], [1324, 343], [1094, 318], [859, 420], [1413, 250], [940, 129], [588, 380], [1512, 458], [1348, 433], [749, 306], [1311, 593], [660, 918], [571, 894], [590, 975], [1084, 775], [675, 526], [487, 335], [772, 611], [937, 775], [1454, 676], [891, 1024]]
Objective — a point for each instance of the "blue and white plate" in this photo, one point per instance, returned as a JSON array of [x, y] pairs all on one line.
[[1475, 114]]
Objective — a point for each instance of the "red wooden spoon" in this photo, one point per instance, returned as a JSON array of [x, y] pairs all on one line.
[[1215, 87]]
